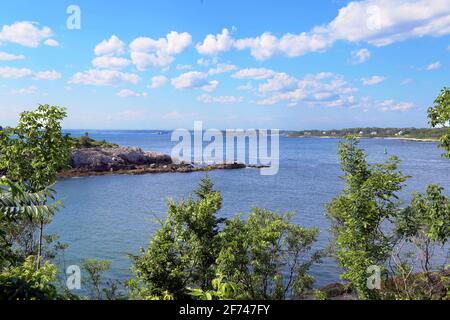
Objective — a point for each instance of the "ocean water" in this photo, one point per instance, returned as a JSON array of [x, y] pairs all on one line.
[[109, 217]]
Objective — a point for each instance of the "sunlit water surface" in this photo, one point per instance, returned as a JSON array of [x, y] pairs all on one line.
[[109, 217]]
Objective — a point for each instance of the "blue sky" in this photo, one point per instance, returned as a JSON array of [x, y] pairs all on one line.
[[233, 64]]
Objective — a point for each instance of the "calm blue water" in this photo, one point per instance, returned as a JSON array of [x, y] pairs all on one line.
[[109, 217]]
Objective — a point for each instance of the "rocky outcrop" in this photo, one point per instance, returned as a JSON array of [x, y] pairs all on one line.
[[115, 159], [126, 160]]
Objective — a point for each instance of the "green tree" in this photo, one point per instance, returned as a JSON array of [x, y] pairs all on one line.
[[267, 255], [420, 229], [368, 200], [33, 152], [22, 278], [95, 270], [183, 252], [426, 222], [16, 206], [439, 116]]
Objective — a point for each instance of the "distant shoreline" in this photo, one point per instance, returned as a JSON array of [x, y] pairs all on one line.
[[405, 134], [386, 138]]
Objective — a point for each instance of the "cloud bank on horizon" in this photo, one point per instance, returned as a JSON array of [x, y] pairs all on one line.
[[359, 67]]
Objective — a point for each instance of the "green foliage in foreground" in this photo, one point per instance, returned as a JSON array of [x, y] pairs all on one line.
[[17, 207], [16, 204], [183, 251], [428, 216], [368, 200], [27, 282], [190, 250], [85, 141], [35, 150], [267, 255], [439, 116], [423, 226], [220, 291], [23, 279], [94, 270], [31, 155], [99, 287]]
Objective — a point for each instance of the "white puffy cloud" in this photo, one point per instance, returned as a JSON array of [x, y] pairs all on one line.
[[205, 98], [127, 93], [434, 66], [391, 105], [17, 73], [373, 80], [262, 47], [177, 42], [361, 56], [266, 45], [158, 82], [105, 77], [322, 89], [195, 80], [143, 60], [113, 46], [279, 82], [210, 86], [382, 22], [14, 73], [47, 75], [222, 68], [5, 56], [109, 62], [254, 73], [376, 22], [215, 44], [293, 45], [51, 43], [25, 33], [149, 53]]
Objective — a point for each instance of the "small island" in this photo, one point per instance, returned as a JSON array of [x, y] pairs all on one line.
[[90, 157]]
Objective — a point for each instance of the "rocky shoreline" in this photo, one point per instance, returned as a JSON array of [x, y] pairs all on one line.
[[131, 161]]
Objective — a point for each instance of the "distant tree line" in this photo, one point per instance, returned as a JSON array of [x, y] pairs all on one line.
[[374, 132]]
